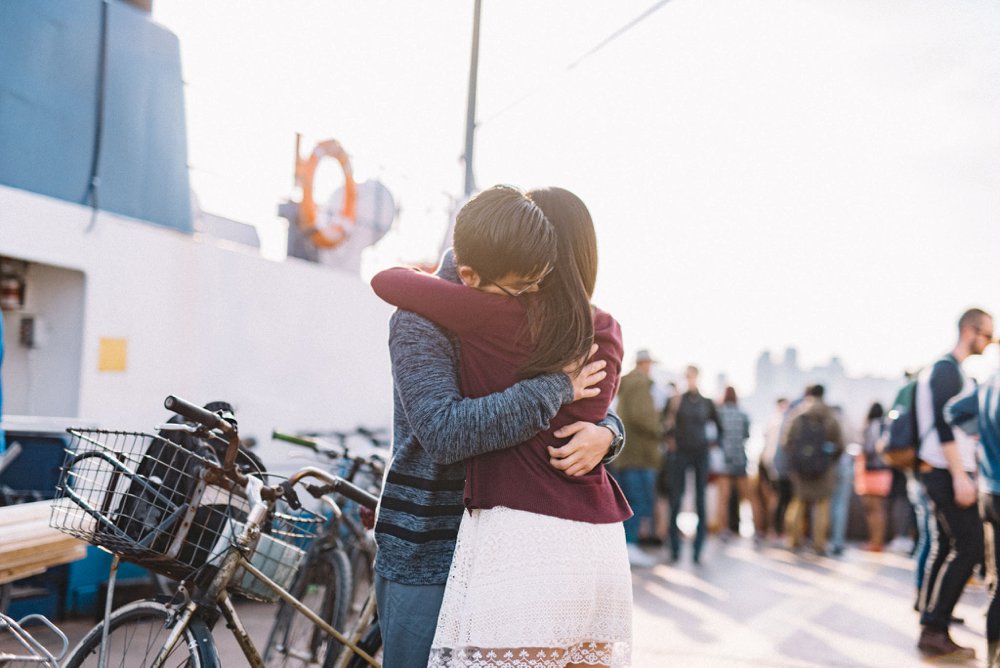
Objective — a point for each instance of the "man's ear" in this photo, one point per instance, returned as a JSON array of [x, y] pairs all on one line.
[[468, 275]]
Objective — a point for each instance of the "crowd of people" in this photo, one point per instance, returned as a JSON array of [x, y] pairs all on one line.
[[800, 470], [511, 515], [805, 476]]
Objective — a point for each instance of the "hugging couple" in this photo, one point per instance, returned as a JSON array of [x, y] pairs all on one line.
[[499, 531]]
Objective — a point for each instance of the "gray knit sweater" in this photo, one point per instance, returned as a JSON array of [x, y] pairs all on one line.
[[434, 430]]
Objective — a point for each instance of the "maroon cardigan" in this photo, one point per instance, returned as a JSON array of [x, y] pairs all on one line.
[[494, 345]]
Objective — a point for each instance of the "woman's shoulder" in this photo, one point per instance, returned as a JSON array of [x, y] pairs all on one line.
[[604, 320], [606, 328]]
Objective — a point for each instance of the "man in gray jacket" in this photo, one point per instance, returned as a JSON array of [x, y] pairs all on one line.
[[434, 430]]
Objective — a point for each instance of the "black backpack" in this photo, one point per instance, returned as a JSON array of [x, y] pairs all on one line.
[[811, 453]]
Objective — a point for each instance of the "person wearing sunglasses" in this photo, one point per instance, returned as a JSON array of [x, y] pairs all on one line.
[[947, 470]]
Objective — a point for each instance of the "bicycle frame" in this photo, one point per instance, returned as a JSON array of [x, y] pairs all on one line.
[[216, 594]]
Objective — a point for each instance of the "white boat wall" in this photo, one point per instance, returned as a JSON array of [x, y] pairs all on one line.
[[114, 306]]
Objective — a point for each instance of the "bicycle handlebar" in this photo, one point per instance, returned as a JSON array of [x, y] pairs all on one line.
[[296, 440], [210, 421], [334, 484], [198, 414]]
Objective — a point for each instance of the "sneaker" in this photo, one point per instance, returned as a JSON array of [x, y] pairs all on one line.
[[639, 559], [901, 545], [938, 644]]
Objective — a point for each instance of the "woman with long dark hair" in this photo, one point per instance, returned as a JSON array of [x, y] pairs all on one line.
[[540, 573], [873, 479], [733, 441]]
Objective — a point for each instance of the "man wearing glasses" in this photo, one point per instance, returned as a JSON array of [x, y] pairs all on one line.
[[948, 473]]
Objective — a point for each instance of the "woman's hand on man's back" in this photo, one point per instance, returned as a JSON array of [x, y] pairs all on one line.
[[585, 377]]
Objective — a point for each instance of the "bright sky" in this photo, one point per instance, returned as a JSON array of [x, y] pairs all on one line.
[[823, 174]]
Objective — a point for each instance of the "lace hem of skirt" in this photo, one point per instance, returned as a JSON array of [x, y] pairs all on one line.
[[586, 653]]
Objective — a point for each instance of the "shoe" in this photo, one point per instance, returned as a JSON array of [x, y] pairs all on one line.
[[651, 541], [901, 544], [639, 559], [938, 644], [872, 547]]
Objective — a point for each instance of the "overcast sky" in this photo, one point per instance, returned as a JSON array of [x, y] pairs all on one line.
[[821, 174]]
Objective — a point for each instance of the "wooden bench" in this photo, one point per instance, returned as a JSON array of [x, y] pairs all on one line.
[[28, 546]]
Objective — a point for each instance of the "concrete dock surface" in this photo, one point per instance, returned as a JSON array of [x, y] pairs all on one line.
[[753, 606]]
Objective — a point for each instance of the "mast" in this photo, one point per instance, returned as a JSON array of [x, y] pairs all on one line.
[[470, 115]]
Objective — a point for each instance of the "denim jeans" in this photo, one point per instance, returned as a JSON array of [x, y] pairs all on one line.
[[840, 502], [407, 616], [922, 550], [961, 530], [638, 486], [678, 465]]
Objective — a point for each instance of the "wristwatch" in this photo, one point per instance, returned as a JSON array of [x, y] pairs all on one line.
[[617, 442]]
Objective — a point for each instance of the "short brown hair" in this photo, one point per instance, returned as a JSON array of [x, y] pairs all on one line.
[[972, 318], [501, 231]]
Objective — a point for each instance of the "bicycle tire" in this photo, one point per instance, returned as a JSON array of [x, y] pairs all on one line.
[[362, 579], [137, 631], [324, 586], [371, 642]]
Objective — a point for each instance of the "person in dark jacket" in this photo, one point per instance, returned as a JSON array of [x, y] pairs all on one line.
[[692, 426]]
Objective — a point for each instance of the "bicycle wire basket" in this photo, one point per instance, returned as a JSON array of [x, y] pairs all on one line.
[[146, 499]]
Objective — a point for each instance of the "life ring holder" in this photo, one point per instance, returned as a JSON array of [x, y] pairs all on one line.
[[336, 232]]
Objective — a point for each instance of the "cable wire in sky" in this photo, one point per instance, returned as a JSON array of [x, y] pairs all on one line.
[[590, 52]]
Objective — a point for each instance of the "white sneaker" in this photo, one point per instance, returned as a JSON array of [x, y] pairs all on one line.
[[900, 544], [639, 559]]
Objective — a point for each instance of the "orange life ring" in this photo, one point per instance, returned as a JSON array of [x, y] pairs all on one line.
[[335, 233]]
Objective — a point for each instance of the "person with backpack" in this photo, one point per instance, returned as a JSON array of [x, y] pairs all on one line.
[[947, 471], [692, 428], [813, 443], [977, 412]]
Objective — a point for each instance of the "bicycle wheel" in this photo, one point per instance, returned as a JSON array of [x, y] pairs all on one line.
[[362, 580], [136, 633], [323, 586]]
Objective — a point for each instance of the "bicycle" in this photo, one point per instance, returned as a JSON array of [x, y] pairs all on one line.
[[20, 648], [201, 521], [336, 574], [365, 466]]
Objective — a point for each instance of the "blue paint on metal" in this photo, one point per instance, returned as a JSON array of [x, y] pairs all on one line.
[[49, 91]]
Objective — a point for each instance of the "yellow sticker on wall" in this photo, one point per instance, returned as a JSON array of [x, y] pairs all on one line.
[[112, 354]]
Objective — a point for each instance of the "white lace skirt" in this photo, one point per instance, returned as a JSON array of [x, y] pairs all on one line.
[[528, 590]]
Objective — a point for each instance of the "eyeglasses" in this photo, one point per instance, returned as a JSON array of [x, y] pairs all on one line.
[[988, 335], [533, 284]]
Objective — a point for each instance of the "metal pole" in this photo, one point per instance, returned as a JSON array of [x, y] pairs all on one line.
[[470, 116]]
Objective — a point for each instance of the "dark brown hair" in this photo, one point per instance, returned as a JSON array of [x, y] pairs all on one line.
[[729, 395], [501, 231], [560, 319]]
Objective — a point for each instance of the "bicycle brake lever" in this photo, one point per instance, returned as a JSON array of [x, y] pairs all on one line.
[[288, 493]]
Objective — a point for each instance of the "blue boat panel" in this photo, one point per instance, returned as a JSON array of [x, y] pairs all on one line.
[[49, 91]]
